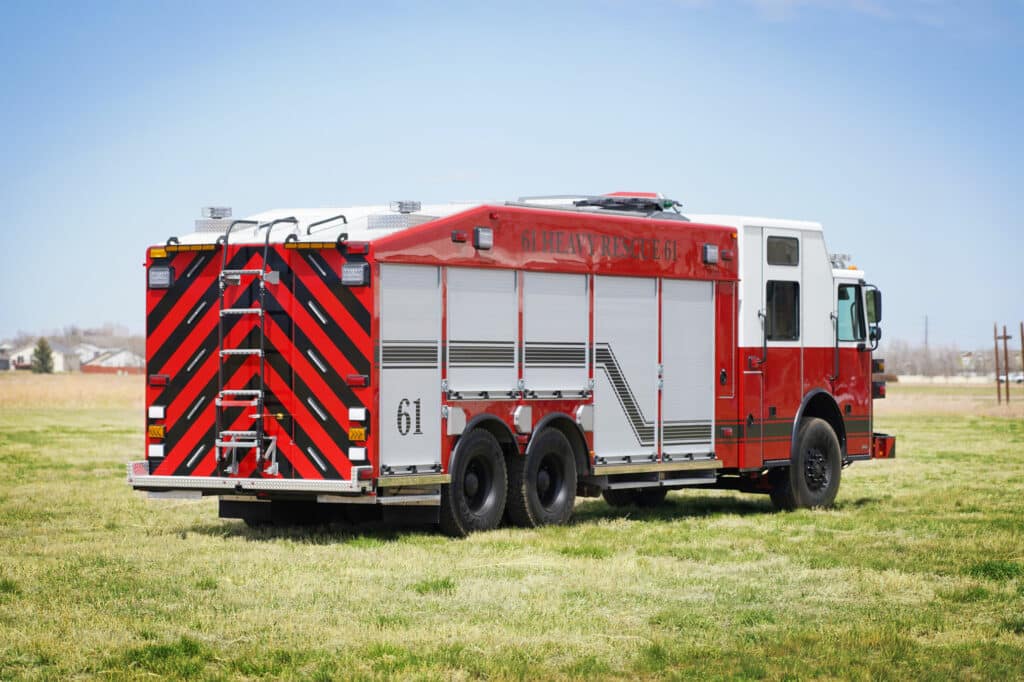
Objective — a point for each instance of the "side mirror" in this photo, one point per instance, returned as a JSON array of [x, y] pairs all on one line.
[[874, 304], [875, 334]]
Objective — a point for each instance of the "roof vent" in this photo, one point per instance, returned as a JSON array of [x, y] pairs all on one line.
[[405, 206], [213, 219]]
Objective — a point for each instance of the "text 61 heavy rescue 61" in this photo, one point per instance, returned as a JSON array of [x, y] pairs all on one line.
[[465, 363]]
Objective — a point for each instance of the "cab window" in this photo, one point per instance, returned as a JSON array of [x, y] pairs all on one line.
[[850, 313], [783, 321]]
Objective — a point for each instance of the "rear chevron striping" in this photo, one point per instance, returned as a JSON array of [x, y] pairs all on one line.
[[317, 332]]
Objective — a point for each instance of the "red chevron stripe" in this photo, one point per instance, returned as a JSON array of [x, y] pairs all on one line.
[[186, 445], [324, 444], [312, 329], [330, 305], [310, 375], [176, 316], [206, 324]]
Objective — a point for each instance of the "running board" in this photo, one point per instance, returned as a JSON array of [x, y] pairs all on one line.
[[646, 468]]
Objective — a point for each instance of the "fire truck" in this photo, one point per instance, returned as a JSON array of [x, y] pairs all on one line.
[[469, 364]]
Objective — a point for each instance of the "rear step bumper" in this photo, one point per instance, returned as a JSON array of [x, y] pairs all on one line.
[[140, 479], [417, 489]]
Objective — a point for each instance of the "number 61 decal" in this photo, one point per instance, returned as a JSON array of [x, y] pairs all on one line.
[[406, 421]]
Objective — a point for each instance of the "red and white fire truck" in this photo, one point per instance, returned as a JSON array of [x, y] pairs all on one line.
[[466, 363]]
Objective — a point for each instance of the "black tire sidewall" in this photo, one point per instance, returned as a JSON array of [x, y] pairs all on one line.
[[551, 443], [816, 433], [478, 445]]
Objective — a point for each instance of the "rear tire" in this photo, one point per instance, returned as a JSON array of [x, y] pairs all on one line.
[[474, 500], [812, 479], [542, 485]]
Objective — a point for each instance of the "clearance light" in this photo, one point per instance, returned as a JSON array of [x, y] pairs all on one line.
[[156, 430], [178, 248], [158, 252], [359, 380], [459, 237], [161, 276], [483, 238], [159, 379], [357, 247], [355, 274]]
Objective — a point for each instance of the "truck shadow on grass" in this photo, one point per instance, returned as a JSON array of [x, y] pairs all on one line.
[[370, 533]]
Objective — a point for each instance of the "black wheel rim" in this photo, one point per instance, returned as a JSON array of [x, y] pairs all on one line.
[[816, 470], [550, 480], [478, 484]]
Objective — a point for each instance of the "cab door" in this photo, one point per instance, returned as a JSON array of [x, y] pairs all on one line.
[[851, 383], [783, 321]]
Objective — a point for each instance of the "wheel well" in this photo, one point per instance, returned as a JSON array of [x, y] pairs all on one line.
[[497, 428], [822, 405], [571, 431]]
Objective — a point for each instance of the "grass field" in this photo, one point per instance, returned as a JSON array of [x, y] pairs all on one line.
[[918, 572]]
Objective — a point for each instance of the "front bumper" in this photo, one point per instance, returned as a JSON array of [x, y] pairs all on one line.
[[883, 446]]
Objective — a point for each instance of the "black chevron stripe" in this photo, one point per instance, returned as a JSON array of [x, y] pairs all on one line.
[[642, 427]]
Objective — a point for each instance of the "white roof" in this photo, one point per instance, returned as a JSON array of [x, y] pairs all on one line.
[[358, 228], [366, 223], [739, 221]]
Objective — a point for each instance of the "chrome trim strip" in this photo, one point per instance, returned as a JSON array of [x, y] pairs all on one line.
[[413, 479], [640, 468]]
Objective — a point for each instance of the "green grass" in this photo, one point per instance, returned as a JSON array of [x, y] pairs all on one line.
[[918, 572]]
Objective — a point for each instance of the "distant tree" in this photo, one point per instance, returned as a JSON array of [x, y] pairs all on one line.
[[42, 358]]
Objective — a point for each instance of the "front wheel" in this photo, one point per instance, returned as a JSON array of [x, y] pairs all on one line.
[[812, 478], [474, 499], [542, 485]]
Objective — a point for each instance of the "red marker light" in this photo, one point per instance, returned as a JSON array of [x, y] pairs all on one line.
[[357, 380], [357, 247], [159, 379], [459, 236]]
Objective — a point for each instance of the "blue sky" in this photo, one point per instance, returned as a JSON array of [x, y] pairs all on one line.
[[897, 124]]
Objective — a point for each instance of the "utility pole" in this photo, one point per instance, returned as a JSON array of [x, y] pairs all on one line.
[[1006, 363], [995, 355]]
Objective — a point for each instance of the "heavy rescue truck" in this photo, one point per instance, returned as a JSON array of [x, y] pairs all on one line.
[[466, 363]]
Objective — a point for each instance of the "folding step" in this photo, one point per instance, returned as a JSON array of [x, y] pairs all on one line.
[[239, 434], [237, 403], [242, 311], [236, 444], [241, 272], [243, 391], [241, 351]]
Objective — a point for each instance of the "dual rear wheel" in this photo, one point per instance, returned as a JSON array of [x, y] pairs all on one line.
[[532, 490]]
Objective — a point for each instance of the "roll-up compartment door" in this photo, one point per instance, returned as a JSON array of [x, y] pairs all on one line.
[[625, 368], [410, 368], [687, 354], [555, 333], [483, 329]]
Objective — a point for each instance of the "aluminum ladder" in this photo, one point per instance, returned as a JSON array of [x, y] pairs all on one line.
[[232, 445]]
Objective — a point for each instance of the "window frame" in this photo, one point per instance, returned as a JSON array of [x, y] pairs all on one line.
[[770, 317], [858, 305], [775, 238]]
